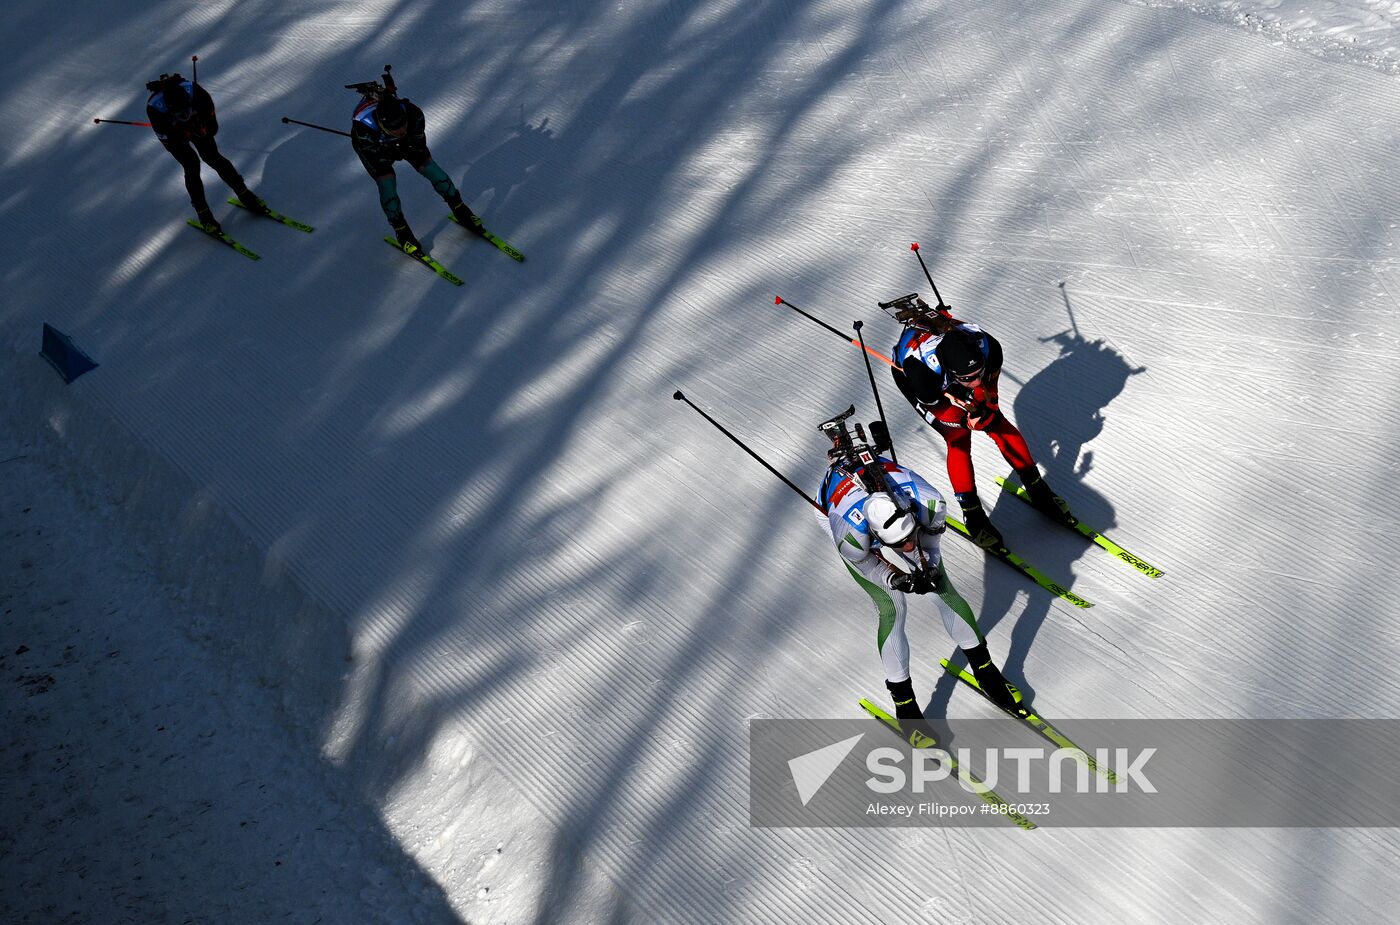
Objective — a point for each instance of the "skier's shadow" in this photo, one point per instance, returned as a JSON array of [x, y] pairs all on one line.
[[505, 167], [1059, 410]]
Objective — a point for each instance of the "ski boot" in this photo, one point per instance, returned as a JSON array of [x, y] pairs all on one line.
[[993, 683], [979, 525], [207, 221], [1044, 499], [911, 718], [251, 202], [465, 216], [407, 241]]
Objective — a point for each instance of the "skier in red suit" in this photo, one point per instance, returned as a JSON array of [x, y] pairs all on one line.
[[948, 370]]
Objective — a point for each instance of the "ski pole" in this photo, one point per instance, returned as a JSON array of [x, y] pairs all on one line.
[[333, 131], [194, 69], [680, 396], [915, 248], [779, 300], [122, 122], [869, 371]]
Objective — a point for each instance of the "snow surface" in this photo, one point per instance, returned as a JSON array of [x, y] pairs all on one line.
[[482, 612]]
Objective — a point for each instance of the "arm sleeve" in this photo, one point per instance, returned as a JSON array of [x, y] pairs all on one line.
[[925, 385], [415, 141], [204, 111], [159, 123], [901, 380], [993, 374]]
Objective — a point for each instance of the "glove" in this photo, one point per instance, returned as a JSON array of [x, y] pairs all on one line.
[[981, 418], [961, 396], [912, 583]]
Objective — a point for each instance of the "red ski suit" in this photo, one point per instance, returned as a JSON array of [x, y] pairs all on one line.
[[953, 412]]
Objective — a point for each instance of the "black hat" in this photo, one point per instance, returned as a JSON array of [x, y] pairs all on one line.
[[960, 354], [391, 114]]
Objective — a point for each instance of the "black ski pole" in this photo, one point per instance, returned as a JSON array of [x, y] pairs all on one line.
[[871, 373], [333, 131], [194, 69], [122, 122], [779, 300], [915, 248], [680, 396]]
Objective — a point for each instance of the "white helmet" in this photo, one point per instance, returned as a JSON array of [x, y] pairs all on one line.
[[891, 523]]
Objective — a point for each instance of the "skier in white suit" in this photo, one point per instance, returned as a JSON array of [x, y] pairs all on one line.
[[887, 523]]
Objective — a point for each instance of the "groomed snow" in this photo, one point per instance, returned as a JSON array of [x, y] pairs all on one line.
[[443, 603]]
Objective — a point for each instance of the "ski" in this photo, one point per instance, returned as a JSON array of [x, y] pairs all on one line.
[[1022, 566], [426, 259], [223, 236], [1035, 722], [919, 740], [500, 242], [1151, 571], [275, 216]]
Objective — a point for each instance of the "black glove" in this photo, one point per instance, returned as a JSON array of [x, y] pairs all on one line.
[[913, 583], [961, 396]]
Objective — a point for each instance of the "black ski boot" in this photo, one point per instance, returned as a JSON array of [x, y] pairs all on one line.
[[406, 239], [207, 221], [1045, 500], [979, 525], [251, 202], [989, 677], [465, 216], [906, 710]]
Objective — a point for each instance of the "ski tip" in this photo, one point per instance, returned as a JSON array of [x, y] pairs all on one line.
[[679, 395], [914, 246], [777, 300]]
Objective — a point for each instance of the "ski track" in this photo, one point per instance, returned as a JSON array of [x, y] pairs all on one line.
[[545, 562]]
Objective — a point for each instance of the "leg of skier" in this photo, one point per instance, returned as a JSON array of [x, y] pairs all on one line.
[[893, 644], [209, 153], [960, 623], [951, 423], [184, 153], [443, 186], [388, 185], [1015, 451]]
